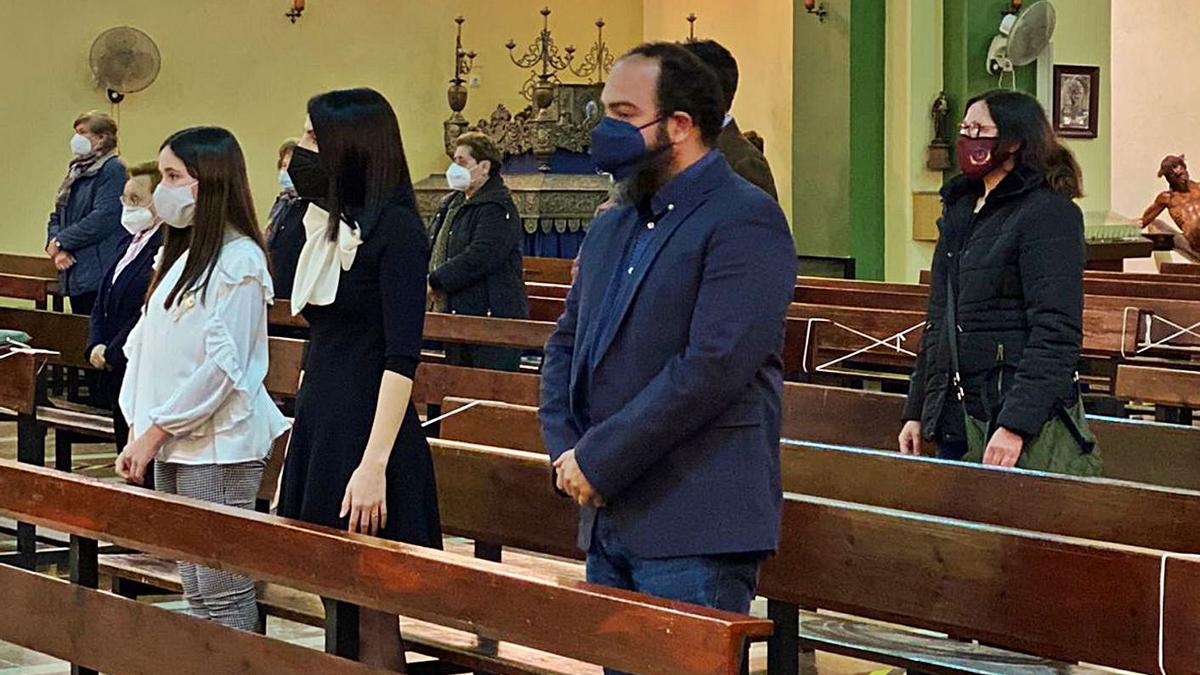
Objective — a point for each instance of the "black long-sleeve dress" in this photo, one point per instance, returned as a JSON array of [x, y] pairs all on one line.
[[374, 324]]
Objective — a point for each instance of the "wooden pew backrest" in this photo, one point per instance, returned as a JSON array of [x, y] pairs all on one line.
[[653, 636]]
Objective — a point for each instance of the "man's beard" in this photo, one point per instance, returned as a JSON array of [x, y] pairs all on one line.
[[1178, 183], [651, 172]]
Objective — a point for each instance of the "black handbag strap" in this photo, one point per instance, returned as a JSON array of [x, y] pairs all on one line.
[[951, 320]]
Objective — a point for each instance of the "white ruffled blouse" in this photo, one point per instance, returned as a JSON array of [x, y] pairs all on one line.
[[197, 370]]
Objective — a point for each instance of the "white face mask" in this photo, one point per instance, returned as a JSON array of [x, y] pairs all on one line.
[[458, 177], [175, 205], [136, 219], [285, 181], [80, 144]]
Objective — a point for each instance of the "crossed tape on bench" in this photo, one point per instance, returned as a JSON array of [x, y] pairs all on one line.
[[1162, 603], [452, 413], [875, 342], [1149, 342]]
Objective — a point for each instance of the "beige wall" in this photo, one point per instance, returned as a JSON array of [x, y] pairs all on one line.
[[240, 64], [1082, 37], [1155, 111], [914, 78], [759, 33]]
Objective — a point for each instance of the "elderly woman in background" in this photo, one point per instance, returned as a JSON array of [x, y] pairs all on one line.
[[122, 291], [84, 234], [285, 225], [475, 267]]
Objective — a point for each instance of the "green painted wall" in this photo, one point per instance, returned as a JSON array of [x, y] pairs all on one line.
[[967, 31], [868, 28], [820, 129]]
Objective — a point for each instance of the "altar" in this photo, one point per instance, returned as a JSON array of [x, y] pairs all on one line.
[[545, 145]]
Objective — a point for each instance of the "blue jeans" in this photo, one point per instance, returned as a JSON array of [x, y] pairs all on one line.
[[726, 581]]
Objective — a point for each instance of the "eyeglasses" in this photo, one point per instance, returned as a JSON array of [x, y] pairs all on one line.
[[975, 130]]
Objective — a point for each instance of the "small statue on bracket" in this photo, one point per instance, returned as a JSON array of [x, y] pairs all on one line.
[[1182, 201], [937, 156]]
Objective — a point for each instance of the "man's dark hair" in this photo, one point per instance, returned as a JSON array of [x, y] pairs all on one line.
[[686, 85], [717, 57]]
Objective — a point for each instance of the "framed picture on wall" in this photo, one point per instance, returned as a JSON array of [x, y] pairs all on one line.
[[1076, 111]]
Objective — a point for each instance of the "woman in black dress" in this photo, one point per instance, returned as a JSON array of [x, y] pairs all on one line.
[[358, 458]]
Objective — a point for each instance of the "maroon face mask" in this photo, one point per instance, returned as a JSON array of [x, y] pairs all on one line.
[[977, 157]]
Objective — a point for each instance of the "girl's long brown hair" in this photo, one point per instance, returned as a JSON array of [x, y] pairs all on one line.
[[214, 158]]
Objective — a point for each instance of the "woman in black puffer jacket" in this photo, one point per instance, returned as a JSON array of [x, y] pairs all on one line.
[[1012, 244]]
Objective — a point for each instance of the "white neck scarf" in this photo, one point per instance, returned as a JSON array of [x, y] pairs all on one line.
[[322, 261]]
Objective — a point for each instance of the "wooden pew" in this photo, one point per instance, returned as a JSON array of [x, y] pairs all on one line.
[[1137, 451], [545, 308], [1182, 269], [543, 290], [34, 289], [449, 590], [434, 382], [19, 275], [1150, 277], [1028, 591], [548, 270], [1159, 385], [28, 265], [94, 630]]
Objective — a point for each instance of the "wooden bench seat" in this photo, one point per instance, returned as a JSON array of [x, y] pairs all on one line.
[[1041, 593], [1133, 450], [517, 510], [616, 628], [547, 270], [837, 634], [461, 647]]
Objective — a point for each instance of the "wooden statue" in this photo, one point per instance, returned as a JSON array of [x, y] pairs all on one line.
[[1182, 201]]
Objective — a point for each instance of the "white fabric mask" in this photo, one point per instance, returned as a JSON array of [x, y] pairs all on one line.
[[136, 219], [175, 205], [458, 177], [80, 144]]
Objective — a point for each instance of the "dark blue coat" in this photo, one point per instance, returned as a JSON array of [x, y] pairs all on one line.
[[119, 305], [677, 423], [88, 227]]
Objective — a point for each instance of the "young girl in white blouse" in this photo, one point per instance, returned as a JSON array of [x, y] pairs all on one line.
[[193, 391]]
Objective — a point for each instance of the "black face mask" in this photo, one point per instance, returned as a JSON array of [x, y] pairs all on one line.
[[308, 177]]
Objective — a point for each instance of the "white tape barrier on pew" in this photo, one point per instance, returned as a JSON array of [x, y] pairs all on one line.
[[1162, 602], [452, 413]]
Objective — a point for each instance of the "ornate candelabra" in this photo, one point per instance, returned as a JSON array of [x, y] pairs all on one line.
[[599, 59], [456, 94], [539, 88]]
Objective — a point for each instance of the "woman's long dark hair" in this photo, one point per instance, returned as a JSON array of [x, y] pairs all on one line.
[[214, 158], [361, 151], [1021, 120]]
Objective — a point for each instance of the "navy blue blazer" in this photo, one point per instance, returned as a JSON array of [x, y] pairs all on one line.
[[119, 305], [677, 423]]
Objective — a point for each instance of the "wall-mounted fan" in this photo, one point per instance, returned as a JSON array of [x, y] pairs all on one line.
[[124, 60], [1023, 37]]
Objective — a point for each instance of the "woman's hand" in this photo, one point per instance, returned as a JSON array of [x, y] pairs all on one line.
[[1004, 449], [96, 358], [137, 455], [366, 499], [910, 438]]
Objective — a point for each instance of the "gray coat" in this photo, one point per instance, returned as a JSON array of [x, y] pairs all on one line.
[[88, 227]]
